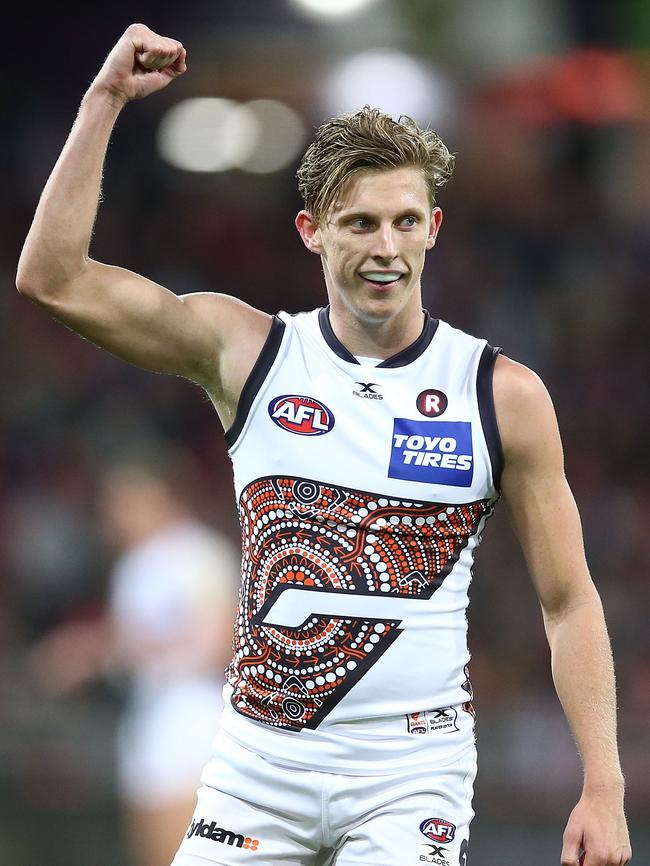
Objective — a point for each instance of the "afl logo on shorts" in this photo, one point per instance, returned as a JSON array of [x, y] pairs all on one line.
[[431, 402], [438, 829], [302, 415]]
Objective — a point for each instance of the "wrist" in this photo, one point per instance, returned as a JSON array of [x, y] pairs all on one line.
[[99, 94], [610, 783]]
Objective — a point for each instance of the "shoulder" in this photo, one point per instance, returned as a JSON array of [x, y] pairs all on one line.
[[516, 385], [223, 313], [234, 333], [455, 336], [524, 411]]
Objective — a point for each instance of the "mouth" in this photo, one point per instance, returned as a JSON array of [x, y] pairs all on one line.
[[382, 279]]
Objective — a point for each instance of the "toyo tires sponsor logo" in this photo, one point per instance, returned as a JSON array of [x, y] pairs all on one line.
[[438, 830], [434, 452], [305, 416]]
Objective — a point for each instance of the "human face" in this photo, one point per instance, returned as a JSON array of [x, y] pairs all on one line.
[[372, 245]]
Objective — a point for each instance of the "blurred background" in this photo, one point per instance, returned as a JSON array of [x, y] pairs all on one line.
[[545, 250]]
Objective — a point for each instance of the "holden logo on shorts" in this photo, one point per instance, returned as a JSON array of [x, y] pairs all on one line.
[[305, 416], [431, 402]]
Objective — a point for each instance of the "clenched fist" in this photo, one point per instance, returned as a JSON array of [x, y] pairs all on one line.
[[140, 63]]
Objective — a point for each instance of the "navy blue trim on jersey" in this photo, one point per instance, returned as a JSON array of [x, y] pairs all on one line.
[[330, 337], [256, 378], [485, 397], [400, 359], [406, 356]]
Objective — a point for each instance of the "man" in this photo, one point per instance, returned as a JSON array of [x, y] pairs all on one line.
[[166, 632], [369, 445]]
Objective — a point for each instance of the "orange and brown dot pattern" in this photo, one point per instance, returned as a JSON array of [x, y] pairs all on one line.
[[306, 534]]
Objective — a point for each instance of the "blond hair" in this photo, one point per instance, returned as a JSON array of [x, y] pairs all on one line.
[[368, 139]]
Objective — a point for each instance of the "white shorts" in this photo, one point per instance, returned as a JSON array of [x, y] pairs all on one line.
[[261, 813]]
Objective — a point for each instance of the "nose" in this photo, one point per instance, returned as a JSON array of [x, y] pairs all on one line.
[[385, 248]]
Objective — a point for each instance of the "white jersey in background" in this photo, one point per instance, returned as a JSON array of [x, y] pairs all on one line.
[[160, 588], [362, 494]]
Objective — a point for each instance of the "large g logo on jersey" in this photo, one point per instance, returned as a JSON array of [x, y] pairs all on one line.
[[331, 576], [305, 416]]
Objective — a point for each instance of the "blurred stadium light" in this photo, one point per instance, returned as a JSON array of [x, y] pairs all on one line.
[[282, 133], [208, 134], [213, 135], [332, 8], [391, 80]]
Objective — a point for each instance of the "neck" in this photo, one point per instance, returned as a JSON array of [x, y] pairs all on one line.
[[376, 339]]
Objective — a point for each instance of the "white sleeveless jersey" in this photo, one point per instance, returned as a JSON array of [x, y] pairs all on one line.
[[362, 494]]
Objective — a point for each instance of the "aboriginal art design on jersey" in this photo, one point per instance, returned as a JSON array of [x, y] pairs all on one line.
[[313, 555]]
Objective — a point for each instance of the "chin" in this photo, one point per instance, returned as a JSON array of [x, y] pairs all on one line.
[[378, 310]]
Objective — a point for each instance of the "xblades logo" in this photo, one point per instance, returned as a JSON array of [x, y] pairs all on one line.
[[441, 714], [435, 854], [368, 391], [218, 834], [441, 721]]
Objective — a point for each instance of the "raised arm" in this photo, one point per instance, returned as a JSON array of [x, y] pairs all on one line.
[[195, 336], [546, 521]]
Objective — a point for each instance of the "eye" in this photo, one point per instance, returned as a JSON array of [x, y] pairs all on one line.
[[408, 222], [360, 223]]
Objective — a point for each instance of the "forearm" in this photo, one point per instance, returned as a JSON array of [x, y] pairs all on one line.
[[583, 673], [56, 248]]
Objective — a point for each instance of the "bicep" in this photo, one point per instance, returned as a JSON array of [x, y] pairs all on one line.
[[542, 508]]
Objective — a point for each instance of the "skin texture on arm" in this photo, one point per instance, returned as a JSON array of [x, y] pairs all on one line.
[[547, 524], [197, 336]]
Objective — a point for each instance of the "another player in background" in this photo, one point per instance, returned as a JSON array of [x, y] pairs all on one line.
[[356, 549], [167, 632]]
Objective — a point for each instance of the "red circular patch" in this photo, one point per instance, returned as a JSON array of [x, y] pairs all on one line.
[[431, 402]]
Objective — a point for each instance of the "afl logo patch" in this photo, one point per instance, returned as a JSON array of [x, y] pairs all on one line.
[[431, 402], [305, 416], [438, 829]]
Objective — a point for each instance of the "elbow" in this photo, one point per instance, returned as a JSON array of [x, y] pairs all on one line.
[[30, 282], [587, 601], [44, 294], [46, 271], [37, 292], [39, 286], [25, 284]]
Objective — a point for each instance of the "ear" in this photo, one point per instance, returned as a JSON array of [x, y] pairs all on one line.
[[434, 227], [308, 231]]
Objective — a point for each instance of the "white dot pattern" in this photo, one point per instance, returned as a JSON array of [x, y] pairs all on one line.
[[300, 533]]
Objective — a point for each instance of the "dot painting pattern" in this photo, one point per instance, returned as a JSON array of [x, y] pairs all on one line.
[[310, 535]]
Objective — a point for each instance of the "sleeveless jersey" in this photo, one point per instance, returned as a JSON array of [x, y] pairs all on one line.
[[362, 494]]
